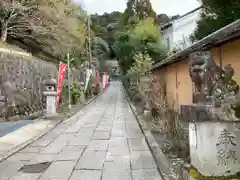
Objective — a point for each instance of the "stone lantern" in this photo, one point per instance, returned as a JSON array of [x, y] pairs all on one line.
[[51, 94]]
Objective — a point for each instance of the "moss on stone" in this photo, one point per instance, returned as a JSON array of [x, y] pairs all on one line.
[[198, 176]]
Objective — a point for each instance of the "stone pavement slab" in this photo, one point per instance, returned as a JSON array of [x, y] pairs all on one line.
[[60, 170], [138, 144], [86, 175], [25, 176], [146, 174], [58, 144], [98, 145], [30, 149], [101, 135], [40, 158], [142, 160], [104, 128], [92, 160], [70, 153], [10, 170], [116, 175], [117, 164], [79, 141], [22, 156]]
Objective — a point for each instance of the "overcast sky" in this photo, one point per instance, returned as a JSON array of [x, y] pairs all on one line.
[[169, 7]]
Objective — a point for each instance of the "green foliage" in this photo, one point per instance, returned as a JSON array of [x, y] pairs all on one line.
[[124, 50], [198, 176], [96, 90], [142, 64], [105, 27], [215, 15], [76, 92], [140, 68], [172, 52], [139, 9], [144, 38], [47, 29], [162, 19], [100, 48]]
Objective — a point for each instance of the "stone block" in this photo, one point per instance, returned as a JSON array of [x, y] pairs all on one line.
[[58, 144], [118, 151], [109, 175], [22, 156], [40, 158], [79, 141], [11, 170], [25, 176], [138, 144], [60, 170], [74, 128], [86, 132], [117, 164], [146, 174], [104, 128], [98, 145], [30, 149], [86, 175], [91, 160], [70, 153], [142, 160], [101, 135]]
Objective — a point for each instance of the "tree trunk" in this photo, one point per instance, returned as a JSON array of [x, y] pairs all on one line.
[[3, 34]]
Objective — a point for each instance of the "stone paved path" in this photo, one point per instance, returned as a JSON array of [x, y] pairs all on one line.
[[103, 142]]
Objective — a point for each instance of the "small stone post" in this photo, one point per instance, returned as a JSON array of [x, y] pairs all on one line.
[[213, 126], [50, 93]]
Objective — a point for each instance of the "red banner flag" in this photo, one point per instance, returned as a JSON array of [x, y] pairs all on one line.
[[62, 70]]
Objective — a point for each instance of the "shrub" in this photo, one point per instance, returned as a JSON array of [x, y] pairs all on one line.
[[76, 92]]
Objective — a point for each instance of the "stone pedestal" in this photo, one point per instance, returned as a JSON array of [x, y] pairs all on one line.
[[213, 142], [50, 103], [213, 148]]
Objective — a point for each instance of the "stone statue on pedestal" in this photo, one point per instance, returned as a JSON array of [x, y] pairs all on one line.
[[214, 128]]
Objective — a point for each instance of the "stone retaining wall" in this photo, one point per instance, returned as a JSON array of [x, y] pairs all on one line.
[[21, 84]]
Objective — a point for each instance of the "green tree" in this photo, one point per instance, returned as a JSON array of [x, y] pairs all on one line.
[[47, 29], [14, 19], [105, 26], [124, 50], [215, 15], [138, 9], [144, 38], [100, 48], [162, 19]]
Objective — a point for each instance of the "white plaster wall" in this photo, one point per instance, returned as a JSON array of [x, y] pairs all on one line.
[[204, 154], [168, 33], [184, 27]]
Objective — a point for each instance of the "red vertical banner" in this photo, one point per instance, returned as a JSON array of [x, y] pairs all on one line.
[[97, 79], [62, 70]]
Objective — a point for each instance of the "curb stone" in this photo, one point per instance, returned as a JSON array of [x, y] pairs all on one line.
[[19, 147], [161, 160]]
